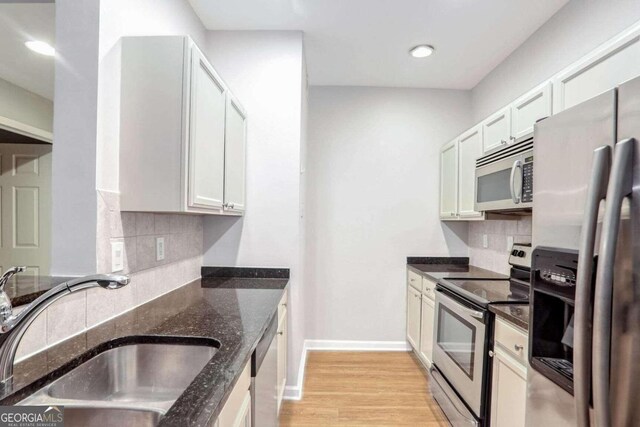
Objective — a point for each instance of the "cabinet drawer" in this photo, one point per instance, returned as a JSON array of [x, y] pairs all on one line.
[[429, 288], [414, 279], [513, 340]]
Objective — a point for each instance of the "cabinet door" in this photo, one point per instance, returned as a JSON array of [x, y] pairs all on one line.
[[603, 69], [496, 130], [449, 181], [282, 357], [509, 391], [426, 329], [243, 418], [529, 108], [469, 149], [413, 317], [206, 135], [234, 156]]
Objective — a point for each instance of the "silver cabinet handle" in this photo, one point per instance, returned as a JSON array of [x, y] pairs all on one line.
[[518, 347], [516, 165], [502, 141], [513, 138], [620, 182], [596, 191], [491, 353]]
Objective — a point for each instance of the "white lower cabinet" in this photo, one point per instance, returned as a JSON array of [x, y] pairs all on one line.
[[426, 330], [420, 315], [237, 410], [414, 307], [282, 338], [509, 377]]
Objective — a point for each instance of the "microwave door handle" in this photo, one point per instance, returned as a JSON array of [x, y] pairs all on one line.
[[516, 198], [584, 299], [620, 181]]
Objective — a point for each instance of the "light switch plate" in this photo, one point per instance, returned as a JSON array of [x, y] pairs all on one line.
[[485, 241], [159, 248], [117, 256]]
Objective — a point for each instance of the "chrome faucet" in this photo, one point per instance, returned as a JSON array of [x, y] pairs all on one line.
[[13, 326]]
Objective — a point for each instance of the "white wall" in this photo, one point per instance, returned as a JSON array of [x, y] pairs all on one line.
[[574, 31], [74, 210], [265, 72], [26, 107], [372, 200]]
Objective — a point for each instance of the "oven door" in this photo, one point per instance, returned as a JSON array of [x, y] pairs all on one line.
[[459, 347], [505, 184]]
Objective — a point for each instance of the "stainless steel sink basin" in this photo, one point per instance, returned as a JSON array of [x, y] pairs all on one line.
[[136, 377], [139, 372], [110, 417]]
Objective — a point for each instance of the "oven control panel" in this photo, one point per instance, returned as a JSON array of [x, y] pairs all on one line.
[[520, 255]]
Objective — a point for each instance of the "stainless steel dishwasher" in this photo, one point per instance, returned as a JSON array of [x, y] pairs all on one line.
[[264, 379]]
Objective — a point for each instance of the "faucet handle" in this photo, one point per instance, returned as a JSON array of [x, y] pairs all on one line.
[[9, 274]]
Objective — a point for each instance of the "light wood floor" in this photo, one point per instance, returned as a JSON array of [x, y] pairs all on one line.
[[363, 389]]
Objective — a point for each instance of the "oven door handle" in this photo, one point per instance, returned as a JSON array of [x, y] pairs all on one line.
[[516, 198], [473, 313], [596, 192]]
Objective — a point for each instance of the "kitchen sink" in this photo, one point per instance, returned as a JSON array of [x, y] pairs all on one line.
[[109, 417], [135, 384]]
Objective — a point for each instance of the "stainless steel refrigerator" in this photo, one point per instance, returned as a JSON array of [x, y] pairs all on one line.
[[584, 352]]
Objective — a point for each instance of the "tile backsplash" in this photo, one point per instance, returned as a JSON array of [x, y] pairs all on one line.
[[495, 256], [150, 279]]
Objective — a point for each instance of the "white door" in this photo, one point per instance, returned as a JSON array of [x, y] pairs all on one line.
[[449, 180], [243, 418], [496, 130], [426, 329], [413, 317], [469, 149], [206, 135], [529, 108], [25, 207], [234, 156], [508, 392]]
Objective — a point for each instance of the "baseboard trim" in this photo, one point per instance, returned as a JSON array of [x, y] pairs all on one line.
[[338, 345], [294, 392]]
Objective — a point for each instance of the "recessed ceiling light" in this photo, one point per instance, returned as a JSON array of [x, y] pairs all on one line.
[[41, 47], [422, 51]]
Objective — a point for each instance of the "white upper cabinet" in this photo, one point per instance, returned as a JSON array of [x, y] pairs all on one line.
[[497, 130], [469, 149], [449, 180], [529, 108], [611, 64], [234, 154], [206, 135], [182, 142]]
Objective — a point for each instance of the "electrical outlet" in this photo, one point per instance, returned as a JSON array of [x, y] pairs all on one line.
[[117, 256], [159, 248], [485, 241]]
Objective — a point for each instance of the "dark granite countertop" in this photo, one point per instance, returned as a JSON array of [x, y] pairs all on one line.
[[455, 271], [22, 288], [517, 314], [233, 311]]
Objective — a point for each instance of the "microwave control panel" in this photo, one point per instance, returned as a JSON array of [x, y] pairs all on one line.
[[527, 180]]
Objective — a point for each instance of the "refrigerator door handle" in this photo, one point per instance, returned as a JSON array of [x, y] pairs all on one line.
[[515, 197], [584, 299], [620, 181]]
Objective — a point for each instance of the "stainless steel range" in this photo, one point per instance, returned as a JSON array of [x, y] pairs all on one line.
[[463, 326]]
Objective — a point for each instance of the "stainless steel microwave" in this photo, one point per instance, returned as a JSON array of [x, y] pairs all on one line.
[[504, 178]]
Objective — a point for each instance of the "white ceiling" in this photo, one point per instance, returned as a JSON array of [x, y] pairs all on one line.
[[19, 65], [365, 42]]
